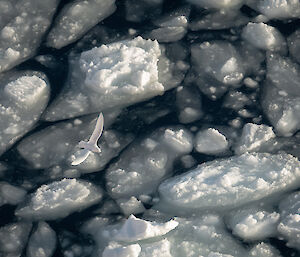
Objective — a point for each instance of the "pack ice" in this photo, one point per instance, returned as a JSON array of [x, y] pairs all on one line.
[[22, 101], [231, 182], [22, 29], [111, 76]]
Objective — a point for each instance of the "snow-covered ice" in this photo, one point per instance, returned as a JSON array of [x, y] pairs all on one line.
[[22, 101], [264, 250], [59, 199], [289, 226], [264, 37], [76, 19], [20, 37], [111, 76], [211, 141], [146, 163], [253, 224], [217, 4], [231, 182], [135, 229], [253, 138], [116, 250], [42, 242]]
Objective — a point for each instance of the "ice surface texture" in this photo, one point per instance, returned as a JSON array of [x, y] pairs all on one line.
[[59, 199], [22, 35], [111, 76], [231, 182], [22, 101]]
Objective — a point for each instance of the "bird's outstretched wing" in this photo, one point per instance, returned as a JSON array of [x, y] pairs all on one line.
[[80, 156], [97, 130]]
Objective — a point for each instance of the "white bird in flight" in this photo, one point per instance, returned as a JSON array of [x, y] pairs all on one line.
[[91, 145]]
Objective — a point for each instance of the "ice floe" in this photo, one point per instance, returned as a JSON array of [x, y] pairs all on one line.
[[289, 226], [59, 199], [147, 162], [253, 138], [42, 242], [76, 19], [211, 141], [22, 34], [10, 194], [22, 101], [254, 224], [13, 238], [217, 4], [231, 182], [114, 75], [264, 37]]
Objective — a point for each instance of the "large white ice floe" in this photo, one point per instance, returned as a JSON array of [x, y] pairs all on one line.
[[22, 35], [76, 19], [22, 101], [113, 75], [42, 242], [254, 223], [264, 36], [216, 65], [117, 250], [59, 199], [230, 182], [211, 141], [68, 134], [264, 250], [13, 238], [147, 162], [253, 138], [289, 226], [279, 9]]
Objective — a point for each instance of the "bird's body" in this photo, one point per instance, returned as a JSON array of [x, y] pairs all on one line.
[[91, 145]]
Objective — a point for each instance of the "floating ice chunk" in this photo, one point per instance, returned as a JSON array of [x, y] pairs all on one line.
[[114, 75], [236, 100], [10, 194], [76, 19], [131, 206], [7, 11], [284, 73], [22, 35], [254, 224], [22, 101], [217, 4], [117, 250], [204, 236], [211, 141], [144, 164], [279, 9], [135, 229], [13, 238], [223, 19], [42, 242], [173, 21], [188, 102], [264, 250], [160, 248], [294, 45], [282, 109], [217, 65], [264, 37], [289, 226], [251, 83], [253, 137], [231, 182], [59, 199]]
